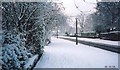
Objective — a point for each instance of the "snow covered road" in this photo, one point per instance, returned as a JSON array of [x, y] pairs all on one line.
[[65, 54]]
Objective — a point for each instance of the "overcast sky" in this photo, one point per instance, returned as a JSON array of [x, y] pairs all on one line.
[[71, 10]]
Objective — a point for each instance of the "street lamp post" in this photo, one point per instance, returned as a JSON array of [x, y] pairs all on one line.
[[57, 32], [56, 29], [76, 32], [76, 29]]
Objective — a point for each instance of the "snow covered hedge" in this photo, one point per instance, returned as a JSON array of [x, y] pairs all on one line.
[[26, 28], [14, 54]]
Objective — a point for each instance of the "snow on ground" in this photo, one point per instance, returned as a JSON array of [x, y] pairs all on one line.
[[65, 54], [30, 61], [96, 40]]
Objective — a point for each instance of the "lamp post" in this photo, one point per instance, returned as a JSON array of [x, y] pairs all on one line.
[[56, 27], [57, 32], [76, 32], [76, 28]]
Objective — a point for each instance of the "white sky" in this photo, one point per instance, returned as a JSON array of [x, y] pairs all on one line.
[[71, 10]]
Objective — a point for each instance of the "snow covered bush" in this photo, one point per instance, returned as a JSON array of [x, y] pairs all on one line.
[[26, 29], [14, 54]]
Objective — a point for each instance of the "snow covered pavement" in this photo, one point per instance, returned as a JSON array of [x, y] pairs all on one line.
[[65, 54], [96, 40]]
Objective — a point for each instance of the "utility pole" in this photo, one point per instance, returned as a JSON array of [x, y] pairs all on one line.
[[76, 32]]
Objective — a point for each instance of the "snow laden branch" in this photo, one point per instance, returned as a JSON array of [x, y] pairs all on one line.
[[27, 28], [106, 18]]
